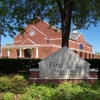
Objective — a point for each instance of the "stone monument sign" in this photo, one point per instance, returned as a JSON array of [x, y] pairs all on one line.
[[63, 64]]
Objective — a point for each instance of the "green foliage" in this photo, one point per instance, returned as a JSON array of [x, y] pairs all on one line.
[[18, 84], [51, 84], [40, 92], [16, 65], [84, 84], [88, 95], [98, 53], [96, 86], [85, 12], [68, 91], [14, 83], [26, 97], [8, 96], [45, 52], [5, 84]]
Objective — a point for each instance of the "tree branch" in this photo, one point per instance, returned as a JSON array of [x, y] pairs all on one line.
[[60, 8]]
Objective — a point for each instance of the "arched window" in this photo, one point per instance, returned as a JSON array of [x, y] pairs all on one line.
[[81, 46]]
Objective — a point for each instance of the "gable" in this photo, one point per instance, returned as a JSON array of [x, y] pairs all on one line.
[[36, 37], [34, 28], [28, 42], [80, 39], [17, 37], [49, 32], [73, 36]]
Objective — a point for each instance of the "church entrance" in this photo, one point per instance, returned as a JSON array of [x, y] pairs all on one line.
[[27, 53]]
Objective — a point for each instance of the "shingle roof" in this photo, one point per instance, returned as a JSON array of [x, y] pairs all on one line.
[[73, 36], [88, 44]]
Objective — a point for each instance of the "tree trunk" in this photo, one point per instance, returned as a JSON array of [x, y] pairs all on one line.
[[65, 20]]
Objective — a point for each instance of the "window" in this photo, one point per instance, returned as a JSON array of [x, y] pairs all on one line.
[[81, 46], [32, 33], [47, 40]]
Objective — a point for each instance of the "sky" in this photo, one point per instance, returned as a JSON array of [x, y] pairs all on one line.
[[92, 36]]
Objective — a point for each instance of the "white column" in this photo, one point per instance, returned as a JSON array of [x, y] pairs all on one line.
[[8, 53], [20, 53], [37, 53], [91, 56]]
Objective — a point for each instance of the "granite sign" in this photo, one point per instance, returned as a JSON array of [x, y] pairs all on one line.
[[63, 64]]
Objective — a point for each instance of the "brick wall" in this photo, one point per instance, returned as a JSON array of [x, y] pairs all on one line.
[[34, 78]]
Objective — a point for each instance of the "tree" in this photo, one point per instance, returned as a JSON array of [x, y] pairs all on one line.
[[97, 53], [21, 12], [9, 50], [45, 52]]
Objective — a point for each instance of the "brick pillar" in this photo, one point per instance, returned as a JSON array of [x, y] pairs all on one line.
[[34, 73], [78, 53], [83, 55], [87, 56], [93, 76]]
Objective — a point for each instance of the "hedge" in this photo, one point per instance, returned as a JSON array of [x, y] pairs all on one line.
[[18, 65]]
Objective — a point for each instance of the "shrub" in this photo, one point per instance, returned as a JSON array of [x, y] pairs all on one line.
[[40, 92], [5, 84], [96, 86], [88, 95], [84, 84], [26, 97], [8, 96], [51, 84], [67, 91], [18, 84]]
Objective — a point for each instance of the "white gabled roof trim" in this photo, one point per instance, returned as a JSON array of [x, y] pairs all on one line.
[[17, 41], [46, 22], [58, 30], [78, 36], [29, 40], [17, 35]]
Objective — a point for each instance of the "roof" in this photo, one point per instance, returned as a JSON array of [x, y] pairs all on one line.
[[73, 36], [43, 27], [88, 44]]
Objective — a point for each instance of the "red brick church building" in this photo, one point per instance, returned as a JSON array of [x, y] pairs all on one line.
[[40, 41]]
